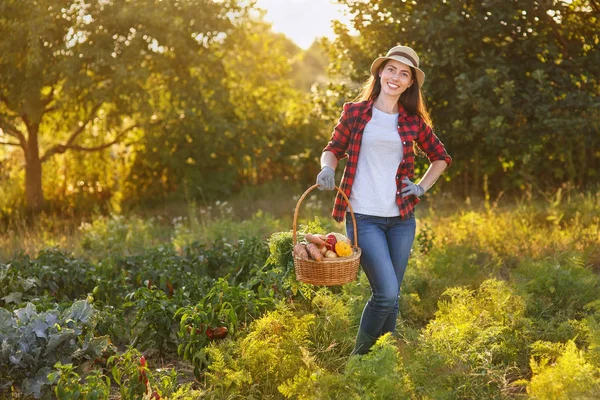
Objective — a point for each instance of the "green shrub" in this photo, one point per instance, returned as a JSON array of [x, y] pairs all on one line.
[[253, 367], [568, 377], [377, 375], [556, 287], [476, 339]]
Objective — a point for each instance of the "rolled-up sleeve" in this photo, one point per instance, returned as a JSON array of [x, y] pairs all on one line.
[[340, 138], [431, 144]]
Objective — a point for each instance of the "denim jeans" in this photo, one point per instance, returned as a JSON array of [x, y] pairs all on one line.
[[385, 243]]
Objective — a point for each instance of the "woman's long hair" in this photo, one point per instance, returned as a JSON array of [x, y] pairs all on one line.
[[411, 98]]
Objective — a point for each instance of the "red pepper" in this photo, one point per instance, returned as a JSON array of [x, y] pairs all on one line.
[[220, 332], [209, 332]]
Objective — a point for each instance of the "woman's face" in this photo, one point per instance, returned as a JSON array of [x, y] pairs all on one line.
[[395, 78]]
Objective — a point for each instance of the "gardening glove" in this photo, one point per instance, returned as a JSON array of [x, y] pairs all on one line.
[[326, 178], [412, 188]]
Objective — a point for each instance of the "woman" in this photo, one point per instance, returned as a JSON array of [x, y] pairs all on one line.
[[378, 134]]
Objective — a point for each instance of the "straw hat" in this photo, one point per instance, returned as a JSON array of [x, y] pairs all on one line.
[[403, 54]]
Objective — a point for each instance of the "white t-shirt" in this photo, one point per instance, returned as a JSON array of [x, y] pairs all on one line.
[[374, 188]]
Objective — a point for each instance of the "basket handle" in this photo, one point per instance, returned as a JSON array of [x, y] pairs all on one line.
[[294, 236]]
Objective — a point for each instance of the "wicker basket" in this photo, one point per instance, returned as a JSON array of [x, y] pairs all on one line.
[[329, 271]]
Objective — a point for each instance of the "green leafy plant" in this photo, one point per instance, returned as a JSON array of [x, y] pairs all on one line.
[[130, 372], [223, 310], [69, 385], [269, 355], [154, 318], [52, 273], [477, 338], [377, 375], [570, 376], [32, 343], [136, 379]]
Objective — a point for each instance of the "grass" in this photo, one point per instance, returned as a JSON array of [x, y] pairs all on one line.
[[510, 229]]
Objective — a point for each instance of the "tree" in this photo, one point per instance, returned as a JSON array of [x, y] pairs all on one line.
[[513, 85], [74, 73], [257, 127]]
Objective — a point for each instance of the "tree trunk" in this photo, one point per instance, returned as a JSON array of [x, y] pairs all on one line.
[[34, 196]]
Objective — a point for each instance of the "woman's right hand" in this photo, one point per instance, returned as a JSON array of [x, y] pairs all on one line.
[[326, 178]]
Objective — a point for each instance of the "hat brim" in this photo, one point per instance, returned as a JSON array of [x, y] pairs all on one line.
[[420, 75]]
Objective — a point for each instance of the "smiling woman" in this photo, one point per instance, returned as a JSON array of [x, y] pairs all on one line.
[[303, 21]]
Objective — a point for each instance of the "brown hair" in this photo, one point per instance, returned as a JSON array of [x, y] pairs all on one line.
[[411, 98]]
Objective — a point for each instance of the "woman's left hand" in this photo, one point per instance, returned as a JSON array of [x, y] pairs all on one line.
[[411, 188]]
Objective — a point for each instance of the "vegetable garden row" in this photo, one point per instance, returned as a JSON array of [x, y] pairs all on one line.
[[495, 304]]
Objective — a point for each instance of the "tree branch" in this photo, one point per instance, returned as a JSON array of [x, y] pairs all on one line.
[[48, 100], [61, 148], [10, 143], [9, 129], [76, 132]]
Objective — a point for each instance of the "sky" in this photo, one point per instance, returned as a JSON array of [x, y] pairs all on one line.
[[302, 20]]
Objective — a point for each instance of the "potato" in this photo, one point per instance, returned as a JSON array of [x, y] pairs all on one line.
[[330, 254]]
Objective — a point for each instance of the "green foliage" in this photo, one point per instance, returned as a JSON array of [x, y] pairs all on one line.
[[491, 318], [83, 79], [504, 82], [558, 287], [475, 340], [377, 375], [70, 385], [491, 300], [153, 323], [280, 251], [332, 334], [207, 228], [53, 273], [567, 376], [225, 305], [117, 235], [270, 354], [131, 372], [32, 343]]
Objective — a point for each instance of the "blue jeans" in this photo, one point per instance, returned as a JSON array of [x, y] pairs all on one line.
[[385, 243]]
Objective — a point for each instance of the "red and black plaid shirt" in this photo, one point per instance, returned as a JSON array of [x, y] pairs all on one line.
[[346, 140]]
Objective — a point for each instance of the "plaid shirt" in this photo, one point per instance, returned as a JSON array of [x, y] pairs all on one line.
[[346, 140]]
